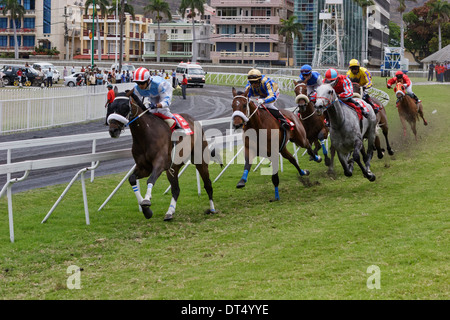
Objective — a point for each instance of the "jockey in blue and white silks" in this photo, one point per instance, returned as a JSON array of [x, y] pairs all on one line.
[[268, 92], [314, 79], [156, 92]]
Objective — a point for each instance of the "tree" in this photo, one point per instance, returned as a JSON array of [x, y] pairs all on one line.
[[123, 8], [442, 10], [394, 34], [16, 12], [193, 5], [291, 29], [159, 7], [401, 8], [364, 4], [103, 6]]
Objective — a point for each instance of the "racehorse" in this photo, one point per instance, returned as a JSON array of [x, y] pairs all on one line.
[[316, 130], [381, 122], [152, 149], [257, 120], [407, 108], [346, 133]]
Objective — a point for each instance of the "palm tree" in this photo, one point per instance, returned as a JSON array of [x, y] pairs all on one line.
[[291, 29], [160, 7], [103, 6], [364, 4], [123, 8], [16, 12], [442, 9], [193, 5]]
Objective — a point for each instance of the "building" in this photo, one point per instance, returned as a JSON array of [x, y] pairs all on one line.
[[176, 42], [41, 26], [246, 32], [109, 34], [353, 46]]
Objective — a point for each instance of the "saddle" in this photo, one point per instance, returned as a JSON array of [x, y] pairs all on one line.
[[356, 108]]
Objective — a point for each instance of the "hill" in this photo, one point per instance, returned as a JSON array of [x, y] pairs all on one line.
[[395, 15]]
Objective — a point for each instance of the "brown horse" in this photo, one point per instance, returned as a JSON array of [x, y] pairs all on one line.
[[261, 131], [316, 130], [408, 110], [152, 147], [382, 122]]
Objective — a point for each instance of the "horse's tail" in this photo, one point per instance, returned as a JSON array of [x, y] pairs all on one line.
[[216, 157]]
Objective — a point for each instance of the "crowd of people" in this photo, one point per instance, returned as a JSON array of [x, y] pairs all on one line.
[[441, 70]]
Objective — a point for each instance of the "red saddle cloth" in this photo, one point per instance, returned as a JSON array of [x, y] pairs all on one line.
[[356, 108], [184, 124]]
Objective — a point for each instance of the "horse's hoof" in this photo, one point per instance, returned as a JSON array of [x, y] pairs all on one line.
[[148, 213], [380, 155], [274, 200], [425, 123], [305, 173], [241, 184], [168, 216], [391, 152], [327, 161], [318, 159], [145, 203], [209, 211], [348, 173], [371, 177]]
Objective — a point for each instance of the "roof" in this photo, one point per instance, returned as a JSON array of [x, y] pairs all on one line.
[[440, 56]]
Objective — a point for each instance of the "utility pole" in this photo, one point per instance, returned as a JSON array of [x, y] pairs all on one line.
[[93, 32], [122, 16], [66, 33]]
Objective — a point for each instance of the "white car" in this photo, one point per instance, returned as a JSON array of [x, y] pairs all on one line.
[[71, 80], [44, 66]]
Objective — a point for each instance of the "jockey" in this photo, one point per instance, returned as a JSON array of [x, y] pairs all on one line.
[[401, 77], [156, 94], [313, 80], [343, 88], [361, 76], [267, 90]]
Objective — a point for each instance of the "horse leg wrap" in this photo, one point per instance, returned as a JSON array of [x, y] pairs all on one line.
[[148, 194], [324, 148], [245, 175], [277, 195], [137, 193]]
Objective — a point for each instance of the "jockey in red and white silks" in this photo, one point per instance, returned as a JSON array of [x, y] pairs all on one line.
[[401, 77]]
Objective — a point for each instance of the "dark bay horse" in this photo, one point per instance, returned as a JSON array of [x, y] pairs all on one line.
[[345, 132], [152, 150], [260, 132], [382, 122], [408, 110], [316, 130]]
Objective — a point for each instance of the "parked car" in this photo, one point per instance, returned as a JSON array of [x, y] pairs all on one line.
[[71, 80], [44, 66], [10, 73], [194, 74]]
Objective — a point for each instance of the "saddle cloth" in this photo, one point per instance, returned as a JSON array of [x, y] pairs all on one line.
[[184, 124], [356, 108]]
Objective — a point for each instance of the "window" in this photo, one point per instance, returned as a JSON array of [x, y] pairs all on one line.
[[11, 25], [47, 16], [29, 23], [3, 23], [3, 41], [11, 41], [28, 41]]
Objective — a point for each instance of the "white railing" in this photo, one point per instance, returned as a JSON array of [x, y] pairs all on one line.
[[36, 108]]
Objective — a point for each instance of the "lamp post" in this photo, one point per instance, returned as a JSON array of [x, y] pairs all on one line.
[[382, 44], [93, 30]]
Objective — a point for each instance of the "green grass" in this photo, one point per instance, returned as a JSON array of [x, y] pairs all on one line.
[[316, 243]]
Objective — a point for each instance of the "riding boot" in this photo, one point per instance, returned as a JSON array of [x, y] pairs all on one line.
[[361, 107], [416, 98], [279, 116], [369, 101]]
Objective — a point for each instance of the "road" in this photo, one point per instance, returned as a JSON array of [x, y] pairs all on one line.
[[210, 102]]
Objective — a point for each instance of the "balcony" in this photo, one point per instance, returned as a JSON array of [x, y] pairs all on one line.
[[243, 20], [19, 30], [250, 3], [249, 38], [21, 49], [238, 55]]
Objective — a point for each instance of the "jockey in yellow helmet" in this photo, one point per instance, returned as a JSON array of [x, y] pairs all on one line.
[[362, 76]]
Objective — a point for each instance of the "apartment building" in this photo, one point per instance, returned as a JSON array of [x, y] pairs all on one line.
[[176, 42], [378, 17], [42, 25], [246, 32], [110, 37]]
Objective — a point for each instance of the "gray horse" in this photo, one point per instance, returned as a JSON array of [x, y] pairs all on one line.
[[346, 132]]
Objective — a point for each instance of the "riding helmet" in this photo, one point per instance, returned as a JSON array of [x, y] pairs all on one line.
[[141, 75], [399, 74], [331, 75], [354, 63], [254, 75], [305, 70]]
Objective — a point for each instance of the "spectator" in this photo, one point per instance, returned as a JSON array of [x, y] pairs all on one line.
[[73, 69], [113, 75], [92, 79], [128, 76], [447, 71], [440, 69], [99, 78], [65, 72], [184, 83], [19, 75], [174, 78], [82, 69], [123, 78], [49, 78], [109, 99], [431, 71]]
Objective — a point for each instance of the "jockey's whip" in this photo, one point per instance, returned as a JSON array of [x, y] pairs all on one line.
[[140, 115]]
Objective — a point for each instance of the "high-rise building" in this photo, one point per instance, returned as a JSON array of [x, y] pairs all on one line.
[[354, 41]]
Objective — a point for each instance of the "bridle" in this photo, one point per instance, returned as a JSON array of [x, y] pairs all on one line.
[[125, 120], [246, 117], [304, 97]]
